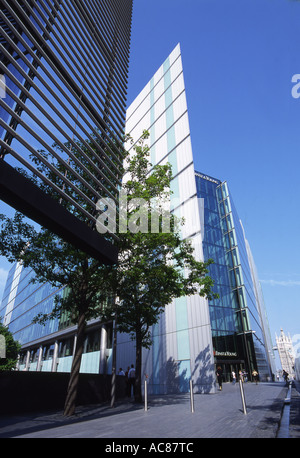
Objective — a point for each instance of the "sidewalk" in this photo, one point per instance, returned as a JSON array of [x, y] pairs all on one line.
[[217, 415]]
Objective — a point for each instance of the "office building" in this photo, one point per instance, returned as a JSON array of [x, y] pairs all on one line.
[[49, 347], [65, 66], [182, 341], [238, 330], [193, 335]]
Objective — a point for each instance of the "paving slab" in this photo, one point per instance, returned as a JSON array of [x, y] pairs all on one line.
[[217, 415]]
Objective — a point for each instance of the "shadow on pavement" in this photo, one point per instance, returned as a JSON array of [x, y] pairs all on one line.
[[34, 422]]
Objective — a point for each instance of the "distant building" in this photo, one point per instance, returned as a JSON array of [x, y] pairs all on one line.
[[286, 353]]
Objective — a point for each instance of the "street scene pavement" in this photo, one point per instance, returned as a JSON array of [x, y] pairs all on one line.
[[272, 411]]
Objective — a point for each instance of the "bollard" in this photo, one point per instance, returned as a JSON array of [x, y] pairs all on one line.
[[113, 389], [243, 397], [192, 396], [146, 397]]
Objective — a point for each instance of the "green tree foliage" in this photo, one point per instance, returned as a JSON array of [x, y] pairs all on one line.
[[51, 258], [9, 350], [154, 266]]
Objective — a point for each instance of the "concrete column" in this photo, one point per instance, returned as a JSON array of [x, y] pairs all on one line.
[[55, 358], [39, 363], [27, 364]]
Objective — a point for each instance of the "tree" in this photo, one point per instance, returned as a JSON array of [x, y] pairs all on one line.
[[152, 264], [154, 267], [59, 264], [9, 350], [52, 259]]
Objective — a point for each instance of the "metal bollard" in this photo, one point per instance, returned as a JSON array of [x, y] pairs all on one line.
[[243, 397], [192, 397], [146, 397]]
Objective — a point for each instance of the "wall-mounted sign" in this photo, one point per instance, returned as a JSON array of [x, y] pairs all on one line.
[[225, 353]]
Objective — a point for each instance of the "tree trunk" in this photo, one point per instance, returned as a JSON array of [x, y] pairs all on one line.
[[138, 369], [70, 403]]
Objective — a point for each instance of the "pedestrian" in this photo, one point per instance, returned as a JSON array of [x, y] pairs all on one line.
[[255, 376], [121, 372], [285, 376], [241, 376], [233, 375], [131, 379], [220, 377]]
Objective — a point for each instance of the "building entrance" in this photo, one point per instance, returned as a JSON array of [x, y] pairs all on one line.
[[228, 367]]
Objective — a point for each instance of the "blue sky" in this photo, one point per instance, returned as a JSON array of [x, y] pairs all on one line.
[[239, 57]]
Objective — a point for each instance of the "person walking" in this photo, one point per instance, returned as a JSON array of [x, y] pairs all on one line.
[[285, 377], [233, 375], [131, 379], [255, 376], [220, 377]]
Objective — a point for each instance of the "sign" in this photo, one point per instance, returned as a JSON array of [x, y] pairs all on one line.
[[225, 353]]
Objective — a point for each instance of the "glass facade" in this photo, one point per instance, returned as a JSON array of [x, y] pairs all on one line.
[[49, 347], [235, 321]]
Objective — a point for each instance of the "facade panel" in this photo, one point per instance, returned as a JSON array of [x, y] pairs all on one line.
[[183, 333]]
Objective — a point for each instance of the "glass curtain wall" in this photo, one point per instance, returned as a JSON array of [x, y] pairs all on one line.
[[237, 334]]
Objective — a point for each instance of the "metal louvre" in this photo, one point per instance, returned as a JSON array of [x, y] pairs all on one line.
[[65, 64]]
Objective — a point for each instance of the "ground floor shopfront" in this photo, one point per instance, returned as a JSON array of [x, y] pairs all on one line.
[[166, 372]]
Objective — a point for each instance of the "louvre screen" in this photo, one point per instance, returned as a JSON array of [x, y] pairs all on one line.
[[65, 66]]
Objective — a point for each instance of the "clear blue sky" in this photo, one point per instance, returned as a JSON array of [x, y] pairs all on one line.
[[239, 57]]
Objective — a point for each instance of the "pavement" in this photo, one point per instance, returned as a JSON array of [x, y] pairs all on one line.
[[219, 415]]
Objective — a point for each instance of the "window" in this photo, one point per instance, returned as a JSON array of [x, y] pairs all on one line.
[[65, 347], [34, 355], [92, 341], [48, 351]]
